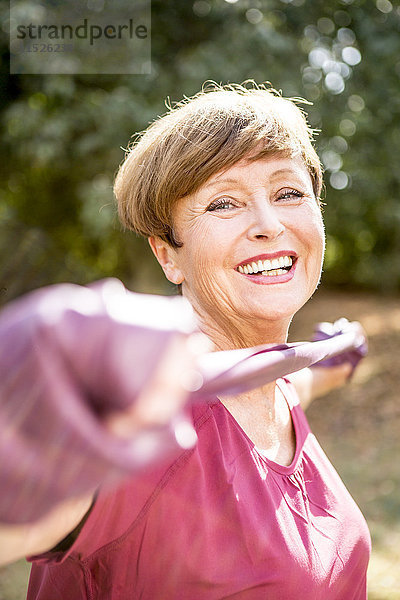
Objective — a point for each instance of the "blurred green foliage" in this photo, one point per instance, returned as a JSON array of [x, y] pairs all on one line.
[[63, 135]]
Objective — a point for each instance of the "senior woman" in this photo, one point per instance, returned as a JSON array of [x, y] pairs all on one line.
[[226, 188]]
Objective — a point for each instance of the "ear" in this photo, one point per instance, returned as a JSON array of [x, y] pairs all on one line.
[[167, 257]]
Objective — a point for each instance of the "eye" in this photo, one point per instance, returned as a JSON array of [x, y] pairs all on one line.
[[220, 204], [289, 194]]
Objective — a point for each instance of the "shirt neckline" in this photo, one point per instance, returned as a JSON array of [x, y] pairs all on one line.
[[299, 443]]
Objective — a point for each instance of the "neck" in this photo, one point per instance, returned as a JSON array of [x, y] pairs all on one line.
[[229, 333]]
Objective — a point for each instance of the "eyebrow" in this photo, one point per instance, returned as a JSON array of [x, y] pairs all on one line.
[[219, 181], [283, 171], [273, 175]]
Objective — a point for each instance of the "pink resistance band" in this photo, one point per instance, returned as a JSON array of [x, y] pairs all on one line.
[[235, 371], [71, 355]]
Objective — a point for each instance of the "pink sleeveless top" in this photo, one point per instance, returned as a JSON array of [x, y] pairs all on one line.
[[221, 521]]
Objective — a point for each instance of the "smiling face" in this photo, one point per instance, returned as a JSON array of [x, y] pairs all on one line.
[[253, 244]]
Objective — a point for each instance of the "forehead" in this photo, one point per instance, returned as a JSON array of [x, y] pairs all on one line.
[[261, 170]]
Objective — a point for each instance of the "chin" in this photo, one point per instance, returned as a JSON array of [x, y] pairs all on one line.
[[275, 308]]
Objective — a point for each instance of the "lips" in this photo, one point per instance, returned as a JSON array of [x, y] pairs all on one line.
[[269, 268]]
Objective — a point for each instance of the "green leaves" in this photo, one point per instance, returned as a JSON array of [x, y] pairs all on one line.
[[63, 135]]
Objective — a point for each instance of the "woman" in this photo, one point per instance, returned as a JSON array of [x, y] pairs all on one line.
[[226, 187]]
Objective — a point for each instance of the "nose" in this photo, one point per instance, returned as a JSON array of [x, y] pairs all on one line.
[[265, 222]]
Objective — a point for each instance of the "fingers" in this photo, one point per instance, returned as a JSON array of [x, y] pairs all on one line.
[[162, 399], [351, 357]]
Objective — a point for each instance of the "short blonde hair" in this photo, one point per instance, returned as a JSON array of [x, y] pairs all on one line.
[[199, 137]]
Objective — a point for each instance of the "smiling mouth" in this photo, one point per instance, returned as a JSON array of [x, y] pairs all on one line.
[[269, 268]]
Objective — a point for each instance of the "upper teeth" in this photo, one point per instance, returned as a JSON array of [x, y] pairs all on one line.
[[266, 265]]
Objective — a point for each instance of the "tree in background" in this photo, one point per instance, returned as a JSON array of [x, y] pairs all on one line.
[[63, 135]]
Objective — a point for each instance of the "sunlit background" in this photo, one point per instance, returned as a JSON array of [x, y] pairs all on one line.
[[62, 135], [63, 138]]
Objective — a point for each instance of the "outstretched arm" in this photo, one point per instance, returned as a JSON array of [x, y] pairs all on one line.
[[17, 541], [156, 406], [316, 381], [92, 386], [333, 372]]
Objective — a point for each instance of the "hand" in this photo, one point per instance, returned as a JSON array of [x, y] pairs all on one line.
[[162, 401], [352, 358], [92, 383]]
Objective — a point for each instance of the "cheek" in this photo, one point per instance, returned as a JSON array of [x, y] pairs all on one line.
[[314, 231], [205, 263], [204, 246], [195, 259], [321, 232]]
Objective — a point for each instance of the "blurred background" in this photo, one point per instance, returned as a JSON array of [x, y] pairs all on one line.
[[63, 138]]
